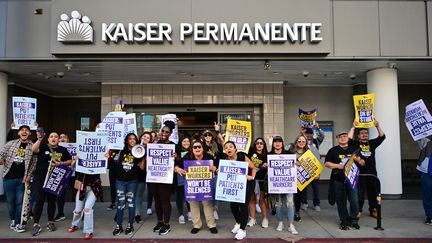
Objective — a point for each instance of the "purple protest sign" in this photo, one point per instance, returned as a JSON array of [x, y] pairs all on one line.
[[57, 180], [352, 172], [199, 180]]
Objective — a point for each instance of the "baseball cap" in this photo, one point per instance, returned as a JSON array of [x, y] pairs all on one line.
[[23, 126], [341, 133]]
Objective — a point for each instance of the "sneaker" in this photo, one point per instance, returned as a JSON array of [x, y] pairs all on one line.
[[265, 223], [51, 227], [149, 211], [258, 209], [165, 229], [195, 230], [129, 229], [36, 229], [235, 229], [297, 217], [138, 219], [215, 215], [304, 206], [12, 225], [59, 218], [355, 226], [72, 229], [317, 208], [111, 207], [280, 226], [20, 228], [213, 230], [292, 230], [343, 227], [189, 216], [118, 230], [241, 234], [428, 221], [374, 213], [158, 227], [182, 219], [88, 236], [251, 222]]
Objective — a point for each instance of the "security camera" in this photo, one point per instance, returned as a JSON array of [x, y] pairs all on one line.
[[60, 74], [392, 65], [305, 74], [352, 76]]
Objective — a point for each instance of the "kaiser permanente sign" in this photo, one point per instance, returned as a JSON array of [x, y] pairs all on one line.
[[82, 30]]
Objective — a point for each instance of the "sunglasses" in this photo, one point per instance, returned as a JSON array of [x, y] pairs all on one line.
[[259, 143], [165, 131], [301, 141], [208, 135], [197, 147]]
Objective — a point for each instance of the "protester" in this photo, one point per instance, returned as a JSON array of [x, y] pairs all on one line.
[[366, 183], [196, 152], [283, 200], [425, 167], [89, 189], [61, 199], [179, 182], [127, 168], [49, 155], [213, 148], [113, 157], [145, 139], [335, 160], [162, 192], [258, 155], [19, 163], [240, 210], [313, 144]]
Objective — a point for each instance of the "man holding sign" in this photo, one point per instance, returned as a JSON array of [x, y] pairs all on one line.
[[335, 160]]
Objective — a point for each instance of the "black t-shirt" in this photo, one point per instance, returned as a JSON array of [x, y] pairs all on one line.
[[17, 169], [367, 151], [335, 155], [114, 155], [258, 160], [127, 166], [216, 155], [44, 157]]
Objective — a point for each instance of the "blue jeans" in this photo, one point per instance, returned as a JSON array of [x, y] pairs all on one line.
[[139, 197], [344, 191], [126, 192], [315, 190], [14, 192], [86, 205], [285, 201], [426, 186]]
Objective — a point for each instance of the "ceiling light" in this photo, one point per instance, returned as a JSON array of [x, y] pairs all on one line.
[[275, 73], [267, 65], [68, 66]]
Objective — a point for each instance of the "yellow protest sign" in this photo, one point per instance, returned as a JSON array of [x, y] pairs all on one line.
[[364, 110], [239, 132], [310, 167]]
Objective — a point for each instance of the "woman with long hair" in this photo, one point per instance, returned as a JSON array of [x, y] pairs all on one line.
[[240, 210], [283, 200], [127, 168], [185, 144], [258, 155], [196, 152]]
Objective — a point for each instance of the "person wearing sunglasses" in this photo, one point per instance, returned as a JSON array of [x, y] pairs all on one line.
[[162, 192], [258, 155], [283, 200], [196, 152]]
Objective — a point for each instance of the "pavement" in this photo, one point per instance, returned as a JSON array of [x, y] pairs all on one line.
[[403, 221]]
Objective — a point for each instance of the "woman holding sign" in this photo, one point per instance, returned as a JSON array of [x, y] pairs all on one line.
[[162, 192], [283, 200], [127, 168], [240, 210], [197, 153], [49, 156], [258, 155]]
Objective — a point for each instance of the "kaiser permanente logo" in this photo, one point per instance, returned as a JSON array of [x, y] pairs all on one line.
[[74, 30], [78, 30]]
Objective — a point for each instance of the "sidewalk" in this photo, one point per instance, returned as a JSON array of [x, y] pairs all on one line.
[[401, 219]]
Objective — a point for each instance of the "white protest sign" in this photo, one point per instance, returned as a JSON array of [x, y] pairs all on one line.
[[24, 112], [160, 163], [282, 173], [130, 124], [418, 120], [231, 181], [91, 149], [113, 125]]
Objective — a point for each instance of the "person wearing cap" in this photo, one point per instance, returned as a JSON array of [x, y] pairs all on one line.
[[335, 160], [19, 163], [367, 147], [313, 143]]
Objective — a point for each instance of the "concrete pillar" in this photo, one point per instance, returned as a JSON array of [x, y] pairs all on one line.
[[4, 128], [383, 82]]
